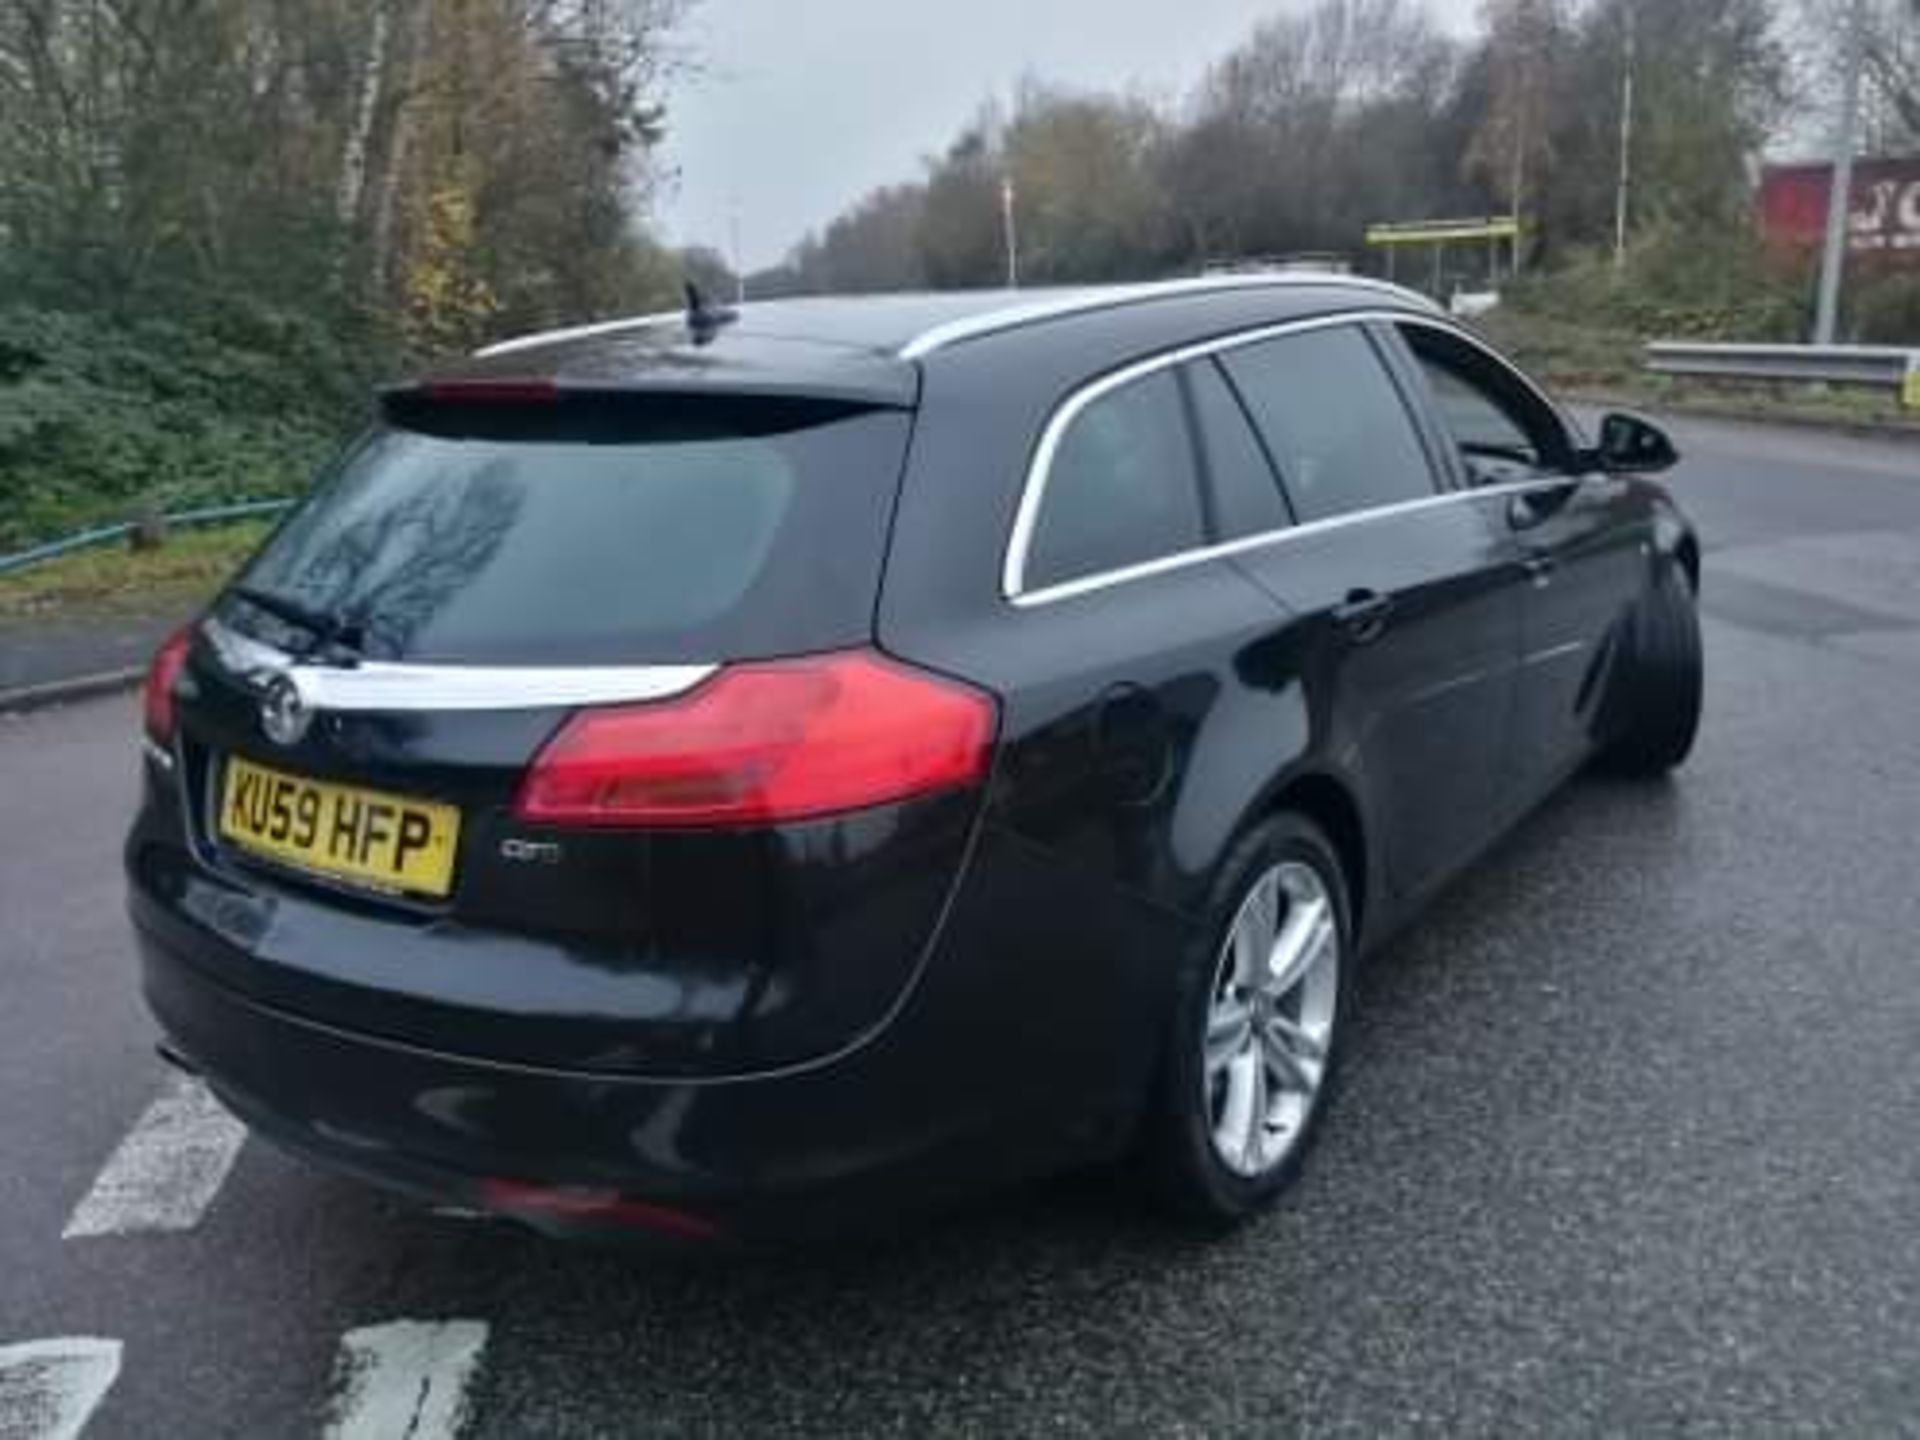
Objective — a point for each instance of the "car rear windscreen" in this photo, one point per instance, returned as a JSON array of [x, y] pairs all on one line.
[[596, 533]]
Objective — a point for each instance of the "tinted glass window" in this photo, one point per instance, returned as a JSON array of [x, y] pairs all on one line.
[[1122, 488], [1473, 417], [1502, 429], [1246, 498], [1334, 421], [683, 537]]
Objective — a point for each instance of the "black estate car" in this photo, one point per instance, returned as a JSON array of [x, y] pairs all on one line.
[[726, 773]]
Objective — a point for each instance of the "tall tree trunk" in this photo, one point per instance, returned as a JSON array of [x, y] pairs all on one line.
[[418, 15], [353, 160]]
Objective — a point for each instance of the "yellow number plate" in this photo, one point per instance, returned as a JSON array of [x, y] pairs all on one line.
[[384, 841]]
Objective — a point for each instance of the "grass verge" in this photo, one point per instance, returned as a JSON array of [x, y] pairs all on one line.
[[1577, 360], [114, 580]]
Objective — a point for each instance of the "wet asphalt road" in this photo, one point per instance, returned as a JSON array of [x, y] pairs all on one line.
[[1630, 1137]]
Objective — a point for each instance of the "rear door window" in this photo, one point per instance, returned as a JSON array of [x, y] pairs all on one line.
[[1333, 420], [1122, 487], [1245, 494], [697, 532]]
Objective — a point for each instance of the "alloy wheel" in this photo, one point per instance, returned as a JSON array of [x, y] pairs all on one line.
[[1270, 1021]]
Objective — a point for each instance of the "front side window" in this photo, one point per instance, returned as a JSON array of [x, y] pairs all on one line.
[[1474, 418], [1502, 430], [1121, 488], [1333, 422]]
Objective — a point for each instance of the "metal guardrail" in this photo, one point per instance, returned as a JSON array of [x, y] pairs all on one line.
[[1881, 367], [109, 534]]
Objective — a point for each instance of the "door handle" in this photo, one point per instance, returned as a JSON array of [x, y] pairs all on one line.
[[1364, 615], [1540, 565]]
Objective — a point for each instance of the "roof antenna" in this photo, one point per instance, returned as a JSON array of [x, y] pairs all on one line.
[[706, 320]]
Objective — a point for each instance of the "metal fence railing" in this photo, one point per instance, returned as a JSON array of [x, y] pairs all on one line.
[[1880, 367], [111, 534]]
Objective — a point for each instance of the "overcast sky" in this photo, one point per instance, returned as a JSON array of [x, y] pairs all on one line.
[[798, 107]]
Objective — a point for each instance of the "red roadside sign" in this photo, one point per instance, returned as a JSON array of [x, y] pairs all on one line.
[[1883, 213]]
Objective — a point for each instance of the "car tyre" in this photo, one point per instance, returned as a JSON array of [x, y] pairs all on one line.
[[1662, 689], [1197, 1174]]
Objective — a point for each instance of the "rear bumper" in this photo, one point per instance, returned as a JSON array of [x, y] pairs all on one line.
[[776, 1156], [1025, 1048]]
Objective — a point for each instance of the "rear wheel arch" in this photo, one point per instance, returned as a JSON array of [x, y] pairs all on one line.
[[1330, 805]]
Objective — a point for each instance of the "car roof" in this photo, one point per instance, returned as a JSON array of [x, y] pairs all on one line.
[[863, 348]]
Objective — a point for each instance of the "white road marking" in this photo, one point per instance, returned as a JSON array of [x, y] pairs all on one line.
[[408, 1378], [168, 1169], [49, 1389]]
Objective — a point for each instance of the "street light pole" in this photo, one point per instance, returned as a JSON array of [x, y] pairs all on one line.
[[1011, 231], [1839, 199], [1623, 193], [1518, 185], [733, 243]]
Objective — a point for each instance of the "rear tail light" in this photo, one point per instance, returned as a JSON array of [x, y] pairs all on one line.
[[763, 743], [162, 672]]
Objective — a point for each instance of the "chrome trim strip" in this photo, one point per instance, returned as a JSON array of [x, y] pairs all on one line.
[[158, 754], [1181, 560], [575, 332], [1081, 301], [383, 686], [1039, 471]]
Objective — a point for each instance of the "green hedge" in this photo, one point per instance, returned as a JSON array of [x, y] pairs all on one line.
[[102, 413], [1675, 285]]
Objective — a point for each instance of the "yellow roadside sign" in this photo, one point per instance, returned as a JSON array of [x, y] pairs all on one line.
[[1443, 232]]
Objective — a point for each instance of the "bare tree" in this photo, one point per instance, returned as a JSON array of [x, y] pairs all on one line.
[[477, 161]]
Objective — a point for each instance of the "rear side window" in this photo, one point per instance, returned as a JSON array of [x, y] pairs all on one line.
[[696, 533], [1334, 422], [1121, 489]]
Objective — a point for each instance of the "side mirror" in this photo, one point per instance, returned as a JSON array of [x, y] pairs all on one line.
[[1630, 445]]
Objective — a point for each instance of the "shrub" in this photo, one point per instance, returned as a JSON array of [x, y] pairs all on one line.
[[1676, 284], [1883, 308], [103, 413]]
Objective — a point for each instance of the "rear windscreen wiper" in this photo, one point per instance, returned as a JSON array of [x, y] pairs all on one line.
[[328, 628]]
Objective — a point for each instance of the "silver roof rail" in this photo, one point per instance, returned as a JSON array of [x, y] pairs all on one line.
[[1070, 301], [1076, 302], [579, 332]]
